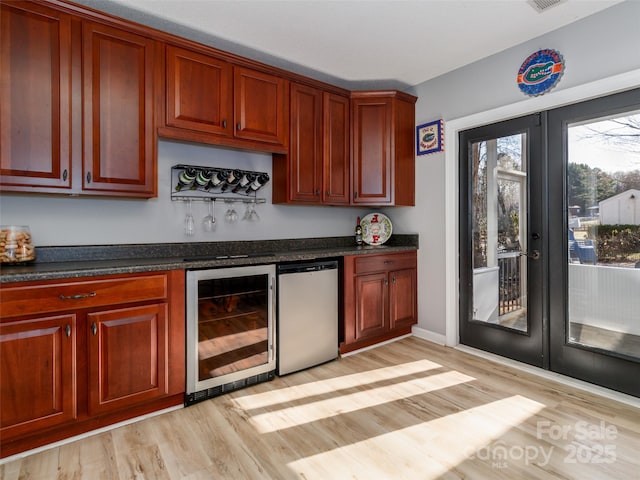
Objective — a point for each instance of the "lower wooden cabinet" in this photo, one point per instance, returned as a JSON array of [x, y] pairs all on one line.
[[37, 374], [90, 353], [380, 298]]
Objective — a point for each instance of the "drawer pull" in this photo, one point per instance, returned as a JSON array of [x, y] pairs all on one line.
[[389, 262], [79, 296], [94, 328], [67, 330]]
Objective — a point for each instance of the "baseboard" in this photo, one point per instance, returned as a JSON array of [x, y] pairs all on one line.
[[87, 434], [557, 377], [429, 335], [375, 345]]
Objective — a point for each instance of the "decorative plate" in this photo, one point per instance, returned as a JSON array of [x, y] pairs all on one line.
[[376, 228]]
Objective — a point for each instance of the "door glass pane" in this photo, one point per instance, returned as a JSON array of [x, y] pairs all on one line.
[[499, 182], [603, 218], [233, 323]]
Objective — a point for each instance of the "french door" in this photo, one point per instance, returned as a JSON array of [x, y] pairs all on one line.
[[594, 234], [550, 240], [501, 239]]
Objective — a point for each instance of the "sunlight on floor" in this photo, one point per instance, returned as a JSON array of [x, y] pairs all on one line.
[[427, 450], [287, 417], [331, 385]]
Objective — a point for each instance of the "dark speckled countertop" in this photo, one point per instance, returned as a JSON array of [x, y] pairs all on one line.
[[84, 261]]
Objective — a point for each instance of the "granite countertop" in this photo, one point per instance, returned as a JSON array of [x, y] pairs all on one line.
[[85, 261]]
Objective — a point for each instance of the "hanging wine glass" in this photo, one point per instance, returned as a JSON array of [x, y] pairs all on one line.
[[209, 222], [189, 223]]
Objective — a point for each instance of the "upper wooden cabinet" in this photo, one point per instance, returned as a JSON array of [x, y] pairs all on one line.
[[261, 106], [118, 90], [383, 151], [199, 92], [35, 98], [316, 169], [76, 105], [210, 100]]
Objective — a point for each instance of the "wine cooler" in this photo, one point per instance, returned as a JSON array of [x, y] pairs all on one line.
[[230, 329]]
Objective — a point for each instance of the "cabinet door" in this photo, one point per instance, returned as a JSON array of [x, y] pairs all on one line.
[[127, 356], [402, 298], [305, 151], [37, 374], [199, 92], [35, 98], [261, 106], [371, 123], [118, 92], [371, 305], [336, 174]]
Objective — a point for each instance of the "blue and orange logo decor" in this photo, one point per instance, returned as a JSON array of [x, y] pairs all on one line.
[[540, 72]]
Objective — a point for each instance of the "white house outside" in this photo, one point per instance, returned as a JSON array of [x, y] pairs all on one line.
[[621, 209]]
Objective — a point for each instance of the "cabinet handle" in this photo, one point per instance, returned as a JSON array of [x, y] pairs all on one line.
[[355, 194], [239, 126], [67, 330], [389, 262], [317, 193], [393, 279], [386, 282], [79, 296], [94, 328], [224, 124], [88, 177], [328, 193], [65, 174]]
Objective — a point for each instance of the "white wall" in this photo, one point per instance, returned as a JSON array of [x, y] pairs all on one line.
[[61, 220], [485, 92]]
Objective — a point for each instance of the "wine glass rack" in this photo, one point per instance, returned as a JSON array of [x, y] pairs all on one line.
[[199, 183]]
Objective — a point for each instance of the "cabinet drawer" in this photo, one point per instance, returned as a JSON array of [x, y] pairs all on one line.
[[382, 263], [55, 297]]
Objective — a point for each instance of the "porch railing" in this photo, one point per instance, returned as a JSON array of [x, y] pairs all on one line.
[[509, 286]]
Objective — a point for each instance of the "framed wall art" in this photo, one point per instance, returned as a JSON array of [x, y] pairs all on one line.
[[429, 138]]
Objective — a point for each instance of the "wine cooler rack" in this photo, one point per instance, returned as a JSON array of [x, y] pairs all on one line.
[[193, 182]]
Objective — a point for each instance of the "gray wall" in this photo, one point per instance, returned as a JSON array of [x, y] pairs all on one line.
[[597, 47], [61, 220]]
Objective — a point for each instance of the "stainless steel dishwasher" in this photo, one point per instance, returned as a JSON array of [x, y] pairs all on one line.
[[307, 319]]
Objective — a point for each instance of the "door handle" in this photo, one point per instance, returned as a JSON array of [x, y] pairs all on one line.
[[533, 255]]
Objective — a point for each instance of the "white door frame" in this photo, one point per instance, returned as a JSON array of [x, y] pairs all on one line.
[[553, 99]]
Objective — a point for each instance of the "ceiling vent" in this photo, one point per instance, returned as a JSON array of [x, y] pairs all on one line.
[[543, 5]]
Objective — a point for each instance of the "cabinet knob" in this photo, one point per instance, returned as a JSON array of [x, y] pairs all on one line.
[[65, 174], [317, 193], [393, 280], [386, 282], [67, 330], [239, 126], [224, 124], [328, 192], [355, 194], [94, 328], [88, 177]]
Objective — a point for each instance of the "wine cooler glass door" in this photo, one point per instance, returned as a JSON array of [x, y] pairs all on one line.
[[230, 325]]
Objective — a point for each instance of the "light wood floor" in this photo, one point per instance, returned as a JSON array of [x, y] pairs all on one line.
[[406, 410]]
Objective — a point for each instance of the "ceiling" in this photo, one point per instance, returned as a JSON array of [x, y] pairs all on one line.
[[400, 42]]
